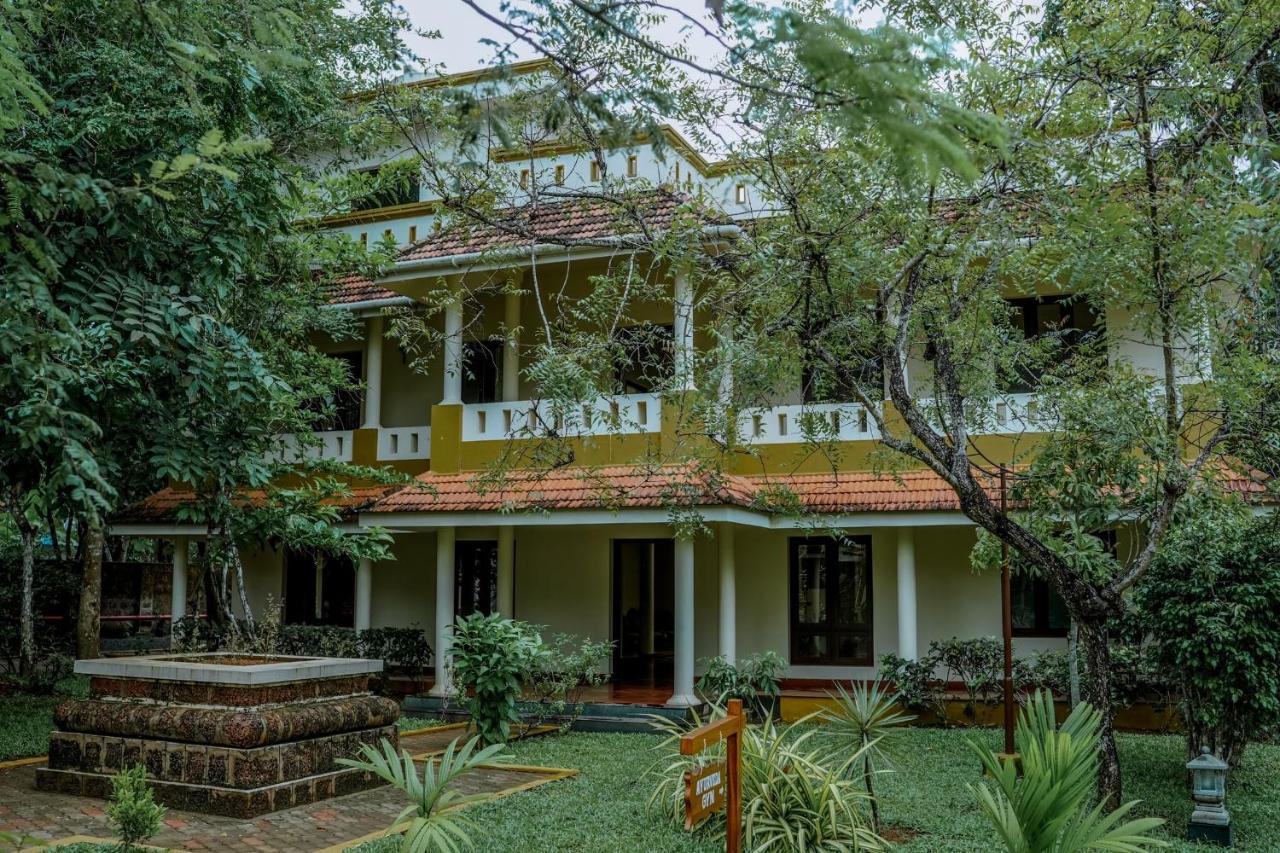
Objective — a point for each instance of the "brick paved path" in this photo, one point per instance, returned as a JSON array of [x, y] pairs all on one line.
[[306, 828]]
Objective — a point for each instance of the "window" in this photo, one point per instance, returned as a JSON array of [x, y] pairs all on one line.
[[524, 179], [560, 174], [831, 601], [364, 239], [633, 166], [595, 170], [740, 193], [1038, 611], [677, 174], [475, 577], [1069, 320], [646, 358], [481, 371], [413, 233], [388, 193]]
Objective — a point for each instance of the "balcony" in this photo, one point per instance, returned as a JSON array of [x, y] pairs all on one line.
[[336, 445], [400, 443], [629, 414], [394, 444], [812, 422]]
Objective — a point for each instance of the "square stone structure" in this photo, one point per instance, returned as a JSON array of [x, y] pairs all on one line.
[[221, 733]]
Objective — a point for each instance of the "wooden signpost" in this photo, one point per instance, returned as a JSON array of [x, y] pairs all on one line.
[[717, 785]]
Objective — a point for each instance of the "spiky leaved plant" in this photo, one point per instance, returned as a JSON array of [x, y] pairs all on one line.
[[864, 723], [1043, 810], [436, 826]]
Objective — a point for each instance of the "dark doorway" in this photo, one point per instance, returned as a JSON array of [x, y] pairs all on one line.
[[336, 597], [476, 579], [643, 611]]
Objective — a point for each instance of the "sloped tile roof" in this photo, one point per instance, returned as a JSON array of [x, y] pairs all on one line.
[[355, 288], [614, 487], [163, 505], [572, 221], [858, 491]]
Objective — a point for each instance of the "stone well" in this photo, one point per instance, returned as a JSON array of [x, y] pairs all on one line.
[[228, 734]]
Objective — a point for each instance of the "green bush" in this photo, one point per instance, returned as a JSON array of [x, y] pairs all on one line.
[[557, 681], [1212, 604], [756, 680], [132, 809], [915, 682], [490, 657]]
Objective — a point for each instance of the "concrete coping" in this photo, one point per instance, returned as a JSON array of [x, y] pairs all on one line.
[[180, 667]]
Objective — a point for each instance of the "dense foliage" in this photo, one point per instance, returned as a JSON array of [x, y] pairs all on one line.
[[489, 657], [755, 679]]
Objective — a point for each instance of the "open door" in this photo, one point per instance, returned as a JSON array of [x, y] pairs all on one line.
[[643, 611]]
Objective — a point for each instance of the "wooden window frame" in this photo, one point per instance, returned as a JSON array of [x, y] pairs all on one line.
[[832, 628]]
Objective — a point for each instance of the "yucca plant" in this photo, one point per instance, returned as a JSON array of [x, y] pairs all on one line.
[[1044, 809], [790, 800], [864, 723], [436, 826]]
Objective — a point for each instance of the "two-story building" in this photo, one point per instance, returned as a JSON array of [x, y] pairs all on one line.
[[590, 547]]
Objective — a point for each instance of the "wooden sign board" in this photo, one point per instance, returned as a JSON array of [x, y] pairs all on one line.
[[706, 791], [717, 785]]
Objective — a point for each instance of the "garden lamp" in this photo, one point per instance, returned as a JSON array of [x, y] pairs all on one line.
[[1210, 820]]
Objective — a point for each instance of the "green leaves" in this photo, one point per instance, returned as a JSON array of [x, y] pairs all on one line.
[[490, 656]]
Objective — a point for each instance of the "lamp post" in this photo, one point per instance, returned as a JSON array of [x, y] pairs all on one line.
[[1210, 820]]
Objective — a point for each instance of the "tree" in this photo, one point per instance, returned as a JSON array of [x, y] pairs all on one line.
[[159, 287], [1130, 168]]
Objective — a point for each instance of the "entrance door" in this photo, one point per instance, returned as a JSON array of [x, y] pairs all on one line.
[[476, 578], [321, 594], [643, 610]]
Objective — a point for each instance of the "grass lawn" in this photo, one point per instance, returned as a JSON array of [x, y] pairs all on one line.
[[603, 808], [26, 720]]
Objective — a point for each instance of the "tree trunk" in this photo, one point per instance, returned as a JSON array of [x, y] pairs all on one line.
[[1097, 692], [27, 621], [88, 625], [1073, 663]]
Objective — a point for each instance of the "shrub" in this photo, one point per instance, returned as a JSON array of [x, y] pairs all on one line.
[[1037, 805], [915, 683], [570, 666], [132, 809], [1212, 604], [865, 721], [438, 823], [756, 680], [792, 797], [490, 657]]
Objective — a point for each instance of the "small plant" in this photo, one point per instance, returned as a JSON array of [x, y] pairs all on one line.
[[491, 657], [914, 681], [557, 682], [865, 722], [437, 825], [1042, 808], [756, 680], [978, 664], [132, 809]]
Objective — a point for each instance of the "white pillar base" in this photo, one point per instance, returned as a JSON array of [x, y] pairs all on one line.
[[444, 608]]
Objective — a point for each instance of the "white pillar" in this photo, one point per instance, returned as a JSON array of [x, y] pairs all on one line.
[[506, 571], [511, 354], [452, 354], [728, 595], [373, 374], [444, 607], [682, 332], [907, 633], [683, 696], [726, 365], [178, 601], [364, 593]]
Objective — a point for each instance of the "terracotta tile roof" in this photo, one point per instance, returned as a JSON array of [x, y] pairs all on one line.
[[573, 221], [355, 288], [163, 505], [856, 491], [616, 487]]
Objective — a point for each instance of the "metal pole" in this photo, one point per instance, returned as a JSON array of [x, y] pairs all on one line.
[[1006, 619]]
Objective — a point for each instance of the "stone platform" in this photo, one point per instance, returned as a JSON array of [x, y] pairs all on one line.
[[223, 734]]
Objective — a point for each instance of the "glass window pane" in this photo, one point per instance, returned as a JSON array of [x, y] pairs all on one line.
[[854, 646], [855, 603], [811, 584], [1022, 589], [812, 647]]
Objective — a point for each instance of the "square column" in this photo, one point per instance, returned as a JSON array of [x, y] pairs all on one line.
[[452, 354], [506, 571], [373, 373], [682, 332], [728, 594], [445, 569], [907, 631], [364, 593], [178, 600], [683, 696], [511, 352]]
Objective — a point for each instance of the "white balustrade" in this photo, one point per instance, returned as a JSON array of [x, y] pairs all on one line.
[[404, 443], [1010, 414], [332, 444], [622, 414], [813, 422]]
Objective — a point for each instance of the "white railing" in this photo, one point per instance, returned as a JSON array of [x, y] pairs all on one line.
[[333, 444], [404, 443], [1009, 414], [814, 422], [617, 415]]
